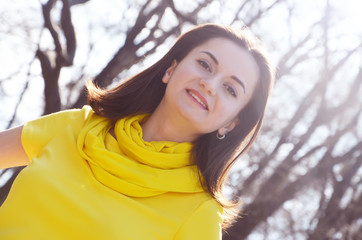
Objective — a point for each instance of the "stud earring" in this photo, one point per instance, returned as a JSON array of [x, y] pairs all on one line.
[[220, 137]]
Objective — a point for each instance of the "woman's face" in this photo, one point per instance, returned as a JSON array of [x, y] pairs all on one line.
[[211, 85]]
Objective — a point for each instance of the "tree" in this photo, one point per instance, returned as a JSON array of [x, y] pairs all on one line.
[[302, 178]]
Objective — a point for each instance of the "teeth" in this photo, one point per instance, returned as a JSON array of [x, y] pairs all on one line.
[[198, 99]]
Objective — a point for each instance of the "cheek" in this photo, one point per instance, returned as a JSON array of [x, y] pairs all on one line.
[[188, 71], [229, 110]]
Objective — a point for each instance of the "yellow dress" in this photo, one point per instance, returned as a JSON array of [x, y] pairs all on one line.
[[83, 183]]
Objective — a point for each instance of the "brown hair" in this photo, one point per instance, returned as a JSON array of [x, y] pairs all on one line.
[[143, 92]]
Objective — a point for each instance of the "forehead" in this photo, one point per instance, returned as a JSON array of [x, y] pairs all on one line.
[[224, 48]]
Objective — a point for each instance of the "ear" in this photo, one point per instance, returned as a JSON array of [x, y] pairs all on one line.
[[166, 77], [228, 127]]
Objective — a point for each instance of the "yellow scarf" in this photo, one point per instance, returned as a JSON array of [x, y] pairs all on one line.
[[132, 166]]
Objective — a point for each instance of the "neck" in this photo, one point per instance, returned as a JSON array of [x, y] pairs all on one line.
[[165, 126]]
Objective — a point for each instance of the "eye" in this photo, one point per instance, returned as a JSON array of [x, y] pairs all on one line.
[[204, 65], [230, 90]]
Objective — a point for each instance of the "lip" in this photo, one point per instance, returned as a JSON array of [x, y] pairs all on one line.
[[193, 93]]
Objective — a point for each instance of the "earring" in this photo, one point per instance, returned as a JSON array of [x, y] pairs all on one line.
[[220, 137]]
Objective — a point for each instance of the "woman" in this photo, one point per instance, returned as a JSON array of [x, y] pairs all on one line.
[[149, 158]]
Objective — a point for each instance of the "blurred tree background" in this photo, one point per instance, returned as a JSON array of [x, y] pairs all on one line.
[[303, 177]]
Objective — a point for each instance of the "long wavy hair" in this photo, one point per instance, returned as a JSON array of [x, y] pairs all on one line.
[[143, 92]]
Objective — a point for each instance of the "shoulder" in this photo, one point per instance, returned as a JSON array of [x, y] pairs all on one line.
[[209, 209], [60, 118], [37, 133], [204, 223]]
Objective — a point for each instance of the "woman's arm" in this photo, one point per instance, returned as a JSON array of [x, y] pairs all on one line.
[[12, 153]]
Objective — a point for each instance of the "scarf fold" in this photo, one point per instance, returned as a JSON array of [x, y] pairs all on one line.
[[132, 166]]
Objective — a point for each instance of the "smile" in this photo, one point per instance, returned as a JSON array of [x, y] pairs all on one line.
[[198, 99]]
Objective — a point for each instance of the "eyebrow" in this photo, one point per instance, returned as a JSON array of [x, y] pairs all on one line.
[[239, 81], [212, 57], [217, 63]]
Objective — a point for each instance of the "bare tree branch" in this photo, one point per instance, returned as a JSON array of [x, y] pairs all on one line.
[[53, 61], [332, 214], [68, 29]]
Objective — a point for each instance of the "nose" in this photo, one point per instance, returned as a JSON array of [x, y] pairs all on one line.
[[208, 86]]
